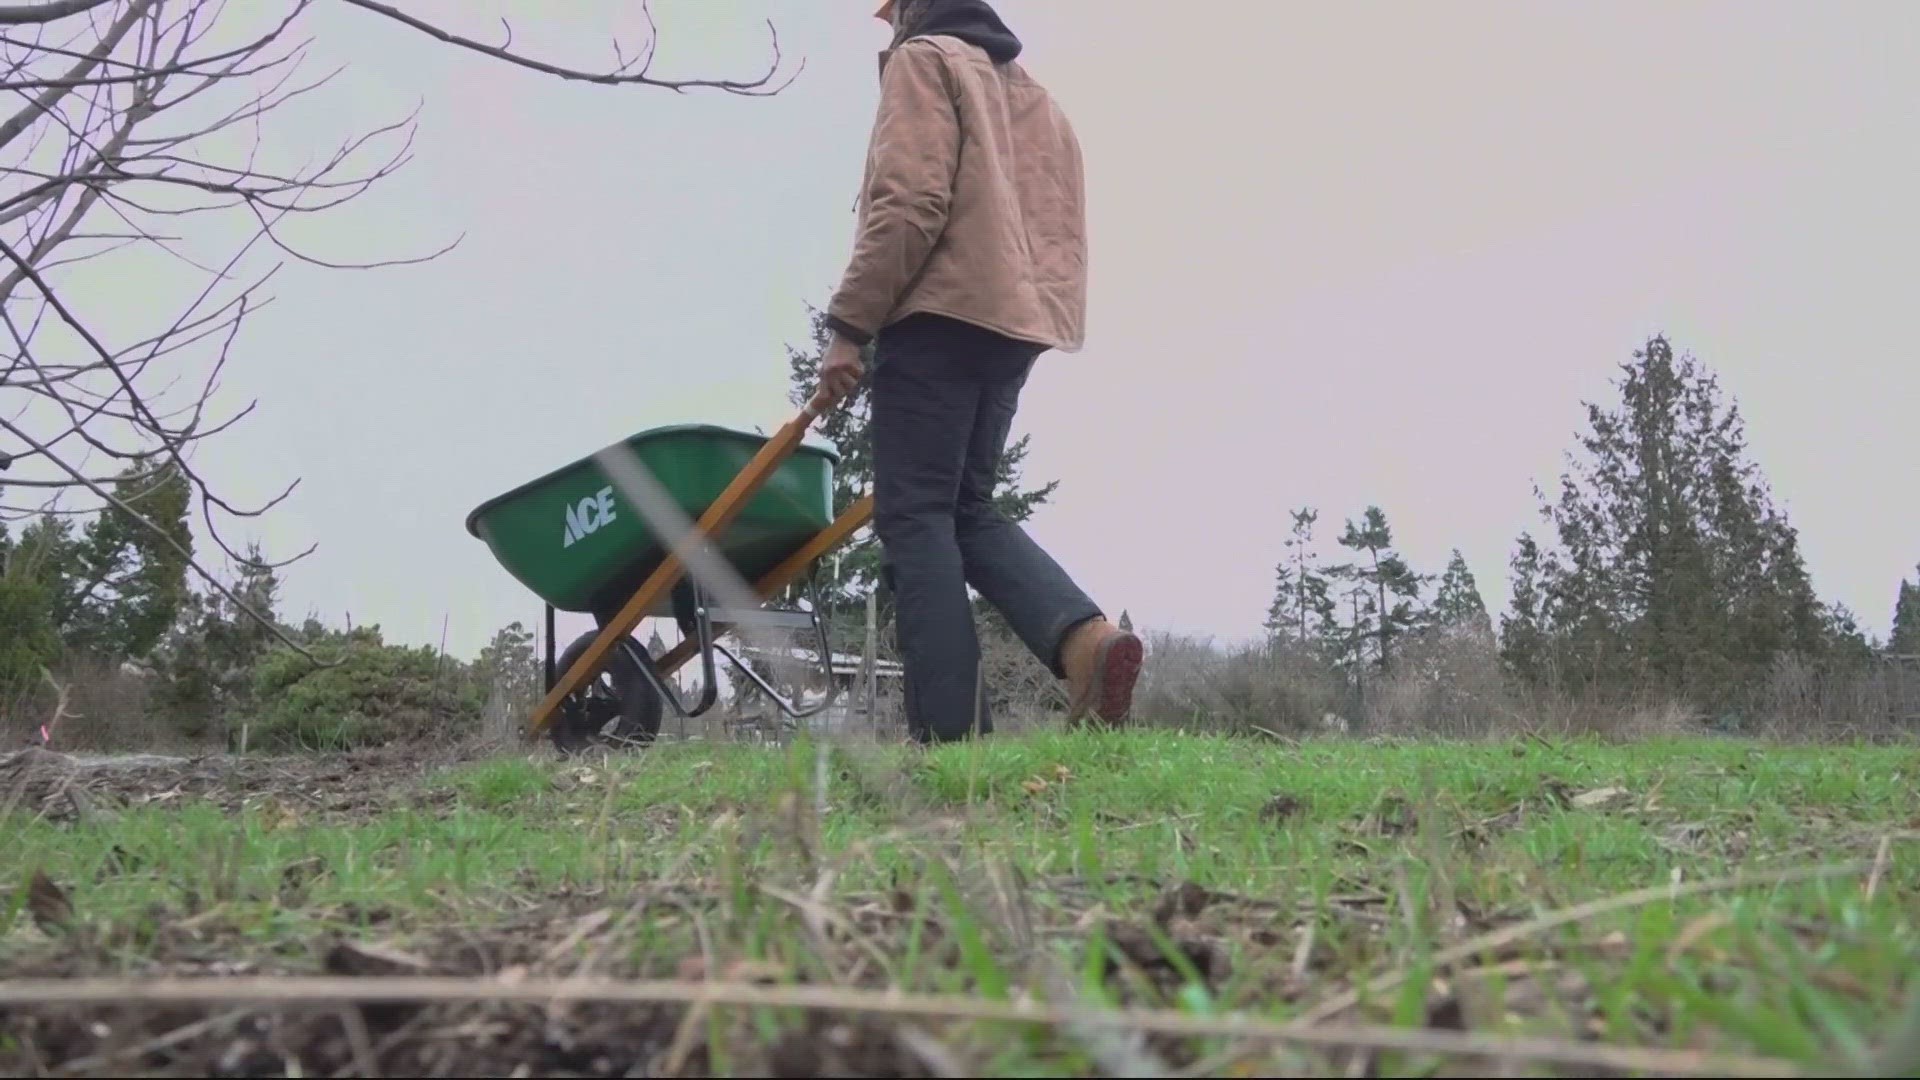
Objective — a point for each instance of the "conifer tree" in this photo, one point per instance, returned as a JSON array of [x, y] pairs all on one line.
[[125, 583], [1906, 620], [1670, 560], [1458, 606], [1523, 627], [1391, 586], [1303, 604]]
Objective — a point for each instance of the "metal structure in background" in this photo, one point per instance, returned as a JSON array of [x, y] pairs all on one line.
[[702, 630], [615, 536]]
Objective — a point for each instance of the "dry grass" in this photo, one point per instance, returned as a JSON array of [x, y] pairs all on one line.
[[95, 706], [1796, 699], [1454, 686], [1254, 1035], [1194, 685], [1440, 687]]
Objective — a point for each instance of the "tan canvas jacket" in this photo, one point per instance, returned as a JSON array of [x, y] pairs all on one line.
[[973, 205]]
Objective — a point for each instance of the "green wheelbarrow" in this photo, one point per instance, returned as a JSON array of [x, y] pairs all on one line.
[[576, 538]]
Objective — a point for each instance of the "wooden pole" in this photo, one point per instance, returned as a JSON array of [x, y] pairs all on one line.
[[873, 656], [711, 525]]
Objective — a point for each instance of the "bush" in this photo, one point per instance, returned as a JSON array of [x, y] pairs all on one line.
[[1279, 689], [1019, 686], [1444, 683], [377, 694], [1839, 699]]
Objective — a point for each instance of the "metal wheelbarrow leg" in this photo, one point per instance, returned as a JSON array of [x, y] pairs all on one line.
[[709, 623]]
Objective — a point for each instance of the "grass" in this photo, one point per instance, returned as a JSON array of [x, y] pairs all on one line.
[[1217, 881]]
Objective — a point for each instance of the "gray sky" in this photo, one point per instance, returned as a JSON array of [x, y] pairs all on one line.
[[1342, 255]]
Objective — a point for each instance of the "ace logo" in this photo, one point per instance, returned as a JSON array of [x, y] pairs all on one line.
[[587, 518]]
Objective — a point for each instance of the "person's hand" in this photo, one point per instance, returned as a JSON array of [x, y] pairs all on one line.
[[840, 374]]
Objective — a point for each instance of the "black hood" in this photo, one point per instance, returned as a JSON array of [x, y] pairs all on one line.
[[972, 21]]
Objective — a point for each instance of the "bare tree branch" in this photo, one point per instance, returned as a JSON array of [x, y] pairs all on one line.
[[145, 126], [139, 74], [108, 497], [53, 11], [759, 87], [45, 103]]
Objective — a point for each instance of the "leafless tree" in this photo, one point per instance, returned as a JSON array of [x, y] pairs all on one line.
[[135, 136]]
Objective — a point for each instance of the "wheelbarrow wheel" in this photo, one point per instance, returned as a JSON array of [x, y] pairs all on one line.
[[619, 708]]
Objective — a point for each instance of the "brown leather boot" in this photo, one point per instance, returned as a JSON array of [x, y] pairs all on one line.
[[1102, 663]]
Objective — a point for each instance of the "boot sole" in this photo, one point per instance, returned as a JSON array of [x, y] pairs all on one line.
[[1116, 668]]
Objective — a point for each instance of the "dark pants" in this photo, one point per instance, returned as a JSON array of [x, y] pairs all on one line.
[[944, 396]]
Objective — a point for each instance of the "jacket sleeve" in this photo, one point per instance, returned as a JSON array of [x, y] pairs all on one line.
[[911, 161]]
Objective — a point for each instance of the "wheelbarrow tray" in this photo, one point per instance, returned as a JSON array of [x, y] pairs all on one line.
[[578, 544]]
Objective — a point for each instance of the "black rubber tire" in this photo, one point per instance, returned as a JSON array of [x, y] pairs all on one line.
[[621, 693]]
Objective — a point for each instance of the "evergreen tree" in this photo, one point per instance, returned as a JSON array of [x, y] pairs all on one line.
[[1846, 641], [1906, 620], [1671, 560], [124, 584], [1126, 621], [30, 642], [1302, 596], [854, 571], [509, 667], [208, 657], [1279, 622], [1351, 638], [48, 552], [1523, 636], [34, 577], [1458, 605], [1770, 604], [1393, 587]]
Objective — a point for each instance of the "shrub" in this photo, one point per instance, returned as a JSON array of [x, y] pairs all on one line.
[[376, 694], [1280, 688], [1020, 689], [1444, 683], [1838, 699]]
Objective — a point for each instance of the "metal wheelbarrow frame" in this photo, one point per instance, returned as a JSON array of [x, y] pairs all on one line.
[[668, 589]]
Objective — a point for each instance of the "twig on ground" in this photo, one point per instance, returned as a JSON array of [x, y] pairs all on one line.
[[939, 1059], [1303, 949], [360, 1041], [267, 992], [1880, 858], [160, 1042], [818, 917], [1508, 935]]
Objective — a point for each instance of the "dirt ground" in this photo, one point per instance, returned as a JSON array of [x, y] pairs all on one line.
[[65, 788], [734, 885], [546, 938], [155, 1039], [562, 935]]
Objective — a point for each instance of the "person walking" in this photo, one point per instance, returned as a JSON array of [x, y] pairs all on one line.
[[969, 263]]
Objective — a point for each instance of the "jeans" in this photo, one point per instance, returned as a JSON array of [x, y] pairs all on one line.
[[944, 397]]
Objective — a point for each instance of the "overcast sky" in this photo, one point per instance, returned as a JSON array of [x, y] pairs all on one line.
[[1342, 254]]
